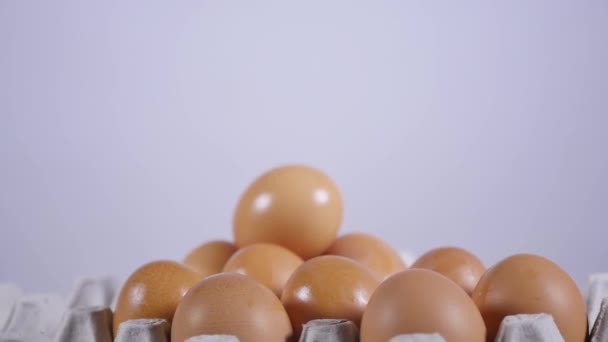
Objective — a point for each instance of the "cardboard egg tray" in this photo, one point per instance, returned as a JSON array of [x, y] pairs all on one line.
[[86, 316]]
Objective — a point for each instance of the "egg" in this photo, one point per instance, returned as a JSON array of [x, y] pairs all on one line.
[[231, 304], [153, 291], [529, 284], [421, 301], [269, 264], [370, 251], [210, 257], [456, 263], [295, 206], [328, 287]]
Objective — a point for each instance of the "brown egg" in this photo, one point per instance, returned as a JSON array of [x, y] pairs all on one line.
[[459, 265], [528, 284], [370, 251], [269, 264], [328, 286], [421, 301], [210, 257], [153, 291], [231, 304], [295, 206]]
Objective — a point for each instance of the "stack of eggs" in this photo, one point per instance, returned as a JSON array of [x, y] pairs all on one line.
[[288, 266]]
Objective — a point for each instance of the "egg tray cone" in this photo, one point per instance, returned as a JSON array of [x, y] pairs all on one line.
[[86, 316]]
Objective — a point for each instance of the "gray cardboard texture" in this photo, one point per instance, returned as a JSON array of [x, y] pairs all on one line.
[[9, 294], [213, 338], [93, 291], [30, 338], [597, 290], [330, 330], [143, 330], [529, 328], [599, 333], [35, 315], [418, 338], [92, 324]]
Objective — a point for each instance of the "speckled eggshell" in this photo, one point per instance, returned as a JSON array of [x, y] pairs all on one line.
[[210, 257], [328, 286], [231, 304], [458, 264], [295, 206], [530, 284], [373, 253], [153, 291], [269, 264], [421, 301]]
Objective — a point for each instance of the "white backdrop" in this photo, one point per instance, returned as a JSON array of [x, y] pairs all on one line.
[[129, 129]]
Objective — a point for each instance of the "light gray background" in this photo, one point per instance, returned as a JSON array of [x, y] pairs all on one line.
[[129, 128]]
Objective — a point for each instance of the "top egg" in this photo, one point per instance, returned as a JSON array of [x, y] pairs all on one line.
[[294, 206]]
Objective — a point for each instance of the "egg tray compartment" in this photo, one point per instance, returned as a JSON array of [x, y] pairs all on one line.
[[85, 316]]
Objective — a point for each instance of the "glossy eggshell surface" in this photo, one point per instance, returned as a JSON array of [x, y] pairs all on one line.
[[373, 253], [231, 304], [210, 257], [528, 284], [421, 301], [269, 264], [295, 206], [458, 264], [153, 291], [328, 287]]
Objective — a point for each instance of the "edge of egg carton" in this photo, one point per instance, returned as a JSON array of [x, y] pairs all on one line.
[[599, 330], [596, 292], [213, 338], [529, 328], [143, 330], [418, 338], [329, 330], [46, 317], [86, 324]]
